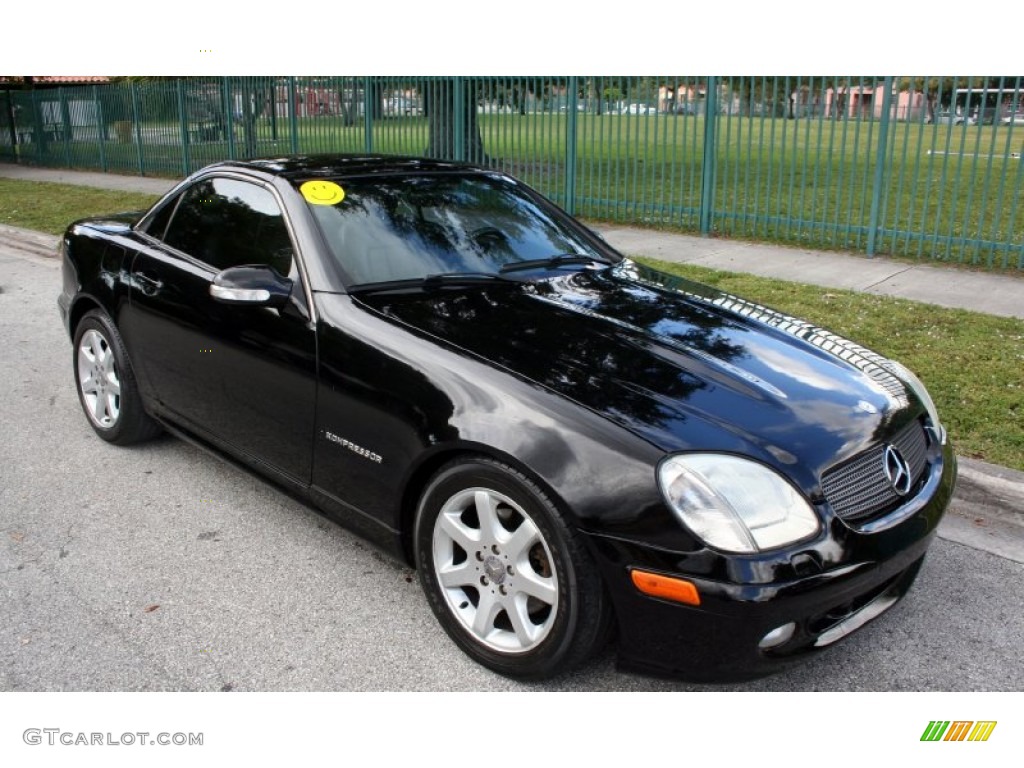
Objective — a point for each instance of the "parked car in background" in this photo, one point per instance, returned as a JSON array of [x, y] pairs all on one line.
[[402, 106], [639, 109], [945, 117], [687, 108], [566, 443], [206, 120], [985, 115]]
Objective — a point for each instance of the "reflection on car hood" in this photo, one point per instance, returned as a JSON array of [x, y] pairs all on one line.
[[681, 364]]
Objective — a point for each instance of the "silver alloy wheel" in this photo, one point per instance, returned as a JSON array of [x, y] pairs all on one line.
[[495, 570], [98, 379]]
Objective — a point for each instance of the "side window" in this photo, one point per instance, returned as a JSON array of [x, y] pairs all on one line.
[[229, 223], [158, 224]]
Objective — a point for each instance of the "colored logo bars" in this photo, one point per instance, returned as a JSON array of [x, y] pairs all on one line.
[[958, 730]]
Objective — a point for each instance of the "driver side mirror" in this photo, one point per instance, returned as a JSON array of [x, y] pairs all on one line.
[[257, 285]]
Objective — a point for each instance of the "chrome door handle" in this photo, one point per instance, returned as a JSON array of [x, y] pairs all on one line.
[[148, 285]]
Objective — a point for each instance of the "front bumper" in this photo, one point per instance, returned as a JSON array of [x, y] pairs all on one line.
[[857, 577]]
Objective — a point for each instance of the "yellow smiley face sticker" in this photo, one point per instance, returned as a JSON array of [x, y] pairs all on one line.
[[322, 192]]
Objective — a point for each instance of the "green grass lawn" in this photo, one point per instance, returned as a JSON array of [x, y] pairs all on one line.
[[971, 362], [51, 207]]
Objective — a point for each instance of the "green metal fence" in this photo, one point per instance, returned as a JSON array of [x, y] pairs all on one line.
[[910, 166]]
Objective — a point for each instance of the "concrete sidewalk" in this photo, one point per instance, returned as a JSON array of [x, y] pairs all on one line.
[[996, 294], [145, 184]]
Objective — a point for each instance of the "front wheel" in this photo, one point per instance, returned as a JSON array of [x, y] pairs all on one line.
[[509, 581]]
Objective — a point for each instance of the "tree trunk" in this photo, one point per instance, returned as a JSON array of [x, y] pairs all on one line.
[[38, 128], [439, 105], [12, 121], [349, 98], [248, 121], [377, 100]]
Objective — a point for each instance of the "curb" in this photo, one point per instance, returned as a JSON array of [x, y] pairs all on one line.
[[994, 477], [1000, 489], [30, 241], [987, 511]]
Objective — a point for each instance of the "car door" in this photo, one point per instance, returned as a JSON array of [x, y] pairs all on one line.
[[241, 375]]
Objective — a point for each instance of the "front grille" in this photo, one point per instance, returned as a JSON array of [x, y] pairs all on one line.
[[859, 488]]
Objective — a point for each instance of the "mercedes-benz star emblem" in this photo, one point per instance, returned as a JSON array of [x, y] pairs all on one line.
[[897, 471]]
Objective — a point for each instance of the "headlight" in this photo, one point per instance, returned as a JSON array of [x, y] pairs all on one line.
[[735, 504], [922, 394]]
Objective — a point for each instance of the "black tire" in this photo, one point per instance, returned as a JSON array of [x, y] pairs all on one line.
[[109, 395], [524, 598]]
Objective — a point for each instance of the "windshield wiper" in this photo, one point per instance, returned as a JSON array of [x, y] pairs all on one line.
[[432, 282], [551, 262]]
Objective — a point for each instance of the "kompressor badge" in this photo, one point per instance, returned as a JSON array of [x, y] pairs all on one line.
[[365, 453]]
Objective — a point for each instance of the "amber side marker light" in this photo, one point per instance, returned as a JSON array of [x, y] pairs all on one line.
[[665, 587]]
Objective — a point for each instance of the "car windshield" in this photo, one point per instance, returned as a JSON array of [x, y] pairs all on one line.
[[401, 228]]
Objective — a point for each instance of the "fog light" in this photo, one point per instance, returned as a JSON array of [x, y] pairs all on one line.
[[777, 636]]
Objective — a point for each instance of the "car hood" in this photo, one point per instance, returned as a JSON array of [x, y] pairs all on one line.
[[678, 363]]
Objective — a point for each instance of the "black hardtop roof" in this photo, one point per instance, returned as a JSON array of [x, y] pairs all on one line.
[[294, 167]]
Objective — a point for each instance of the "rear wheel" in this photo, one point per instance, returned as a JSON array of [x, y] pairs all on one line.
[[509, 581], [106, 383]]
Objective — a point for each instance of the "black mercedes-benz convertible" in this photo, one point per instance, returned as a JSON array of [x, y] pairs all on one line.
[[567, 444]]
